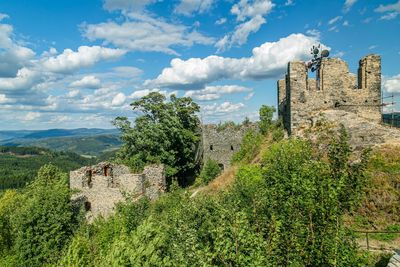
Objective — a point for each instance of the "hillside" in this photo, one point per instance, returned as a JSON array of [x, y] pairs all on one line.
[[19, 165], [88, 142]]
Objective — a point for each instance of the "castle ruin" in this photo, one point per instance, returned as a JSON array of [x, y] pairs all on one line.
[[220, 143], [100, 187], [301, 98]]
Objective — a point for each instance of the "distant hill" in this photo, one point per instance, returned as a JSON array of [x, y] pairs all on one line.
[[83, 141], [19, 165], [87, 145], [7, 136]]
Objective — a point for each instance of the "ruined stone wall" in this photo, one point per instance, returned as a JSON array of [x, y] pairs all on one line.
[[100, 187], [220, 144], [337, 88]]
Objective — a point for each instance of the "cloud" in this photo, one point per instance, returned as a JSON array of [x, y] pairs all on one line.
[[335, 19], [267, 61], [3, 16], [251, 17], [24, 80], [215, 92], [87, 82], [289, 3], [348, 4], [126, 5], [391, 10], [30, 116], [225, 107], [141, 93], [145, 33], [314, 32], [12, 55], [119, 99], [249, 96], [244, 9], [86, 56], [188, 7], [221, 21], [392, 84]]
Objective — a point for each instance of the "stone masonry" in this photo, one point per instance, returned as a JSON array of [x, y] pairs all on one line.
[[220, 144], [100, 187], [301, 99]]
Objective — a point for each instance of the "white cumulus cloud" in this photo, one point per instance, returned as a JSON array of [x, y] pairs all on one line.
[[118, 99], [88, 82], [392, 84], [267, 61], [86, 56]]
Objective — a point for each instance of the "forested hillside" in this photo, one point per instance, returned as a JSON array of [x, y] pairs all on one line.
[[19, 165]]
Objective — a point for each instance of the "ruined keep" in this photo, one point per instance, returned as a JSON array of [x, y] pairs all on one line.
[[301, 99], [220, 143], [100, 187]]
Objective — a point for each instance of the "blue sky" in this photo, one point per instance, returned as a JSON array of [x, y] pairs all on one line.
[[74, 63]]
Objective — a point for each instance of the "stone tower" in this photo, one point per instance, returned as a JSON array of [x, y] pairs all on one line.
[[301, 98]]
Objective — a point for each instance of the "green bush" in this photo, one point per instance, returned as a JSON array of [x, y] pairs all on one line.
[[249, 147], [210, 170]]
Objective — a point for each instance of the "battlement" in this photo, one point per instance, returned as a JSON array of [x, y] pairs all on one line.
[[300, 98]]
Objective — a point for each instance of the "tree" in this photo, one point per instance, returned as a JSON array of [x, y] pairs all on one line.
[[43, 222], [165, 132], [266, 113]]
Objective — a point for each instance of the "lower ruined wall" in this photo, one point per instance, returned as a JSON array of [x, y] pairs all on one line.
[[100, 187]]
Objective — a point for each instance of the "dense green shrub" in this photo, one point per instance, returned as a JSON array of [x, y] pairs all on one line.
[[210, 170], [249, 147]]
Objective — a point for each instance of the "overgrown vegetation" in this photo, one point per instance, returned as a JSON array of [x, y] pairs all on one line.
[[36, 223], [210, 170], [166, 132]]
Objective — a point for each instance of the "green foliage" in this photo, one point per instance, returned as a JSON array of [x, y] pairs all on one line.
[[266, 113], [227, 124], [19, 165], [42, 222], [166, 132], [87, 145], [249, 147], [210, 170]]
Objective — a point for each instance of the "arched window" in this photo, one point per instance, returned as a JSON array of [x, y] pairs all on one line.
[[211, 147], [231, 147]]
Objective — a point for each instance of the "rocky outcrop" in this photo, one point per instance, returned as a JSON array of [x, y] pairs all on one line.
[[362, 132]]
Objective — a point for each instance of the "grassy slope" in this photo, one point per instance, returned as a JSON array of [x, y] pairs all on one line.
[[380, 208]]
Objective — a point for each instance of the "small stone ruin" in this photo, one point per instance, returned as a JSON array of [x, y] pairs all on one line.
[[100, 187]]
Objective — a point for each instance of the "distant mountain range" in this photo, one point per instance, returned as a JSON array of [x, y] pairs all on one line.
[[83, 141]]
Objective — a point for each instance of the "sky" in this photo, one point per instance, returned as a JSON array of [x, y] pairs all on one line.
[[74, 63]]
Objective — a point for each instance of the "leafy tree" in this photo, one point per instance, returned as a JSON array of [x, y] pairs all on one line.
[[43, 222], [165, 132], [266, 113]]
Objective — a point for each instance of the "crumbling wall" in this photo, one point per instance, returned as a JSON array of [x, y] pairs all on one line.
[[220, 144], [336, 88], [99, 187]]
